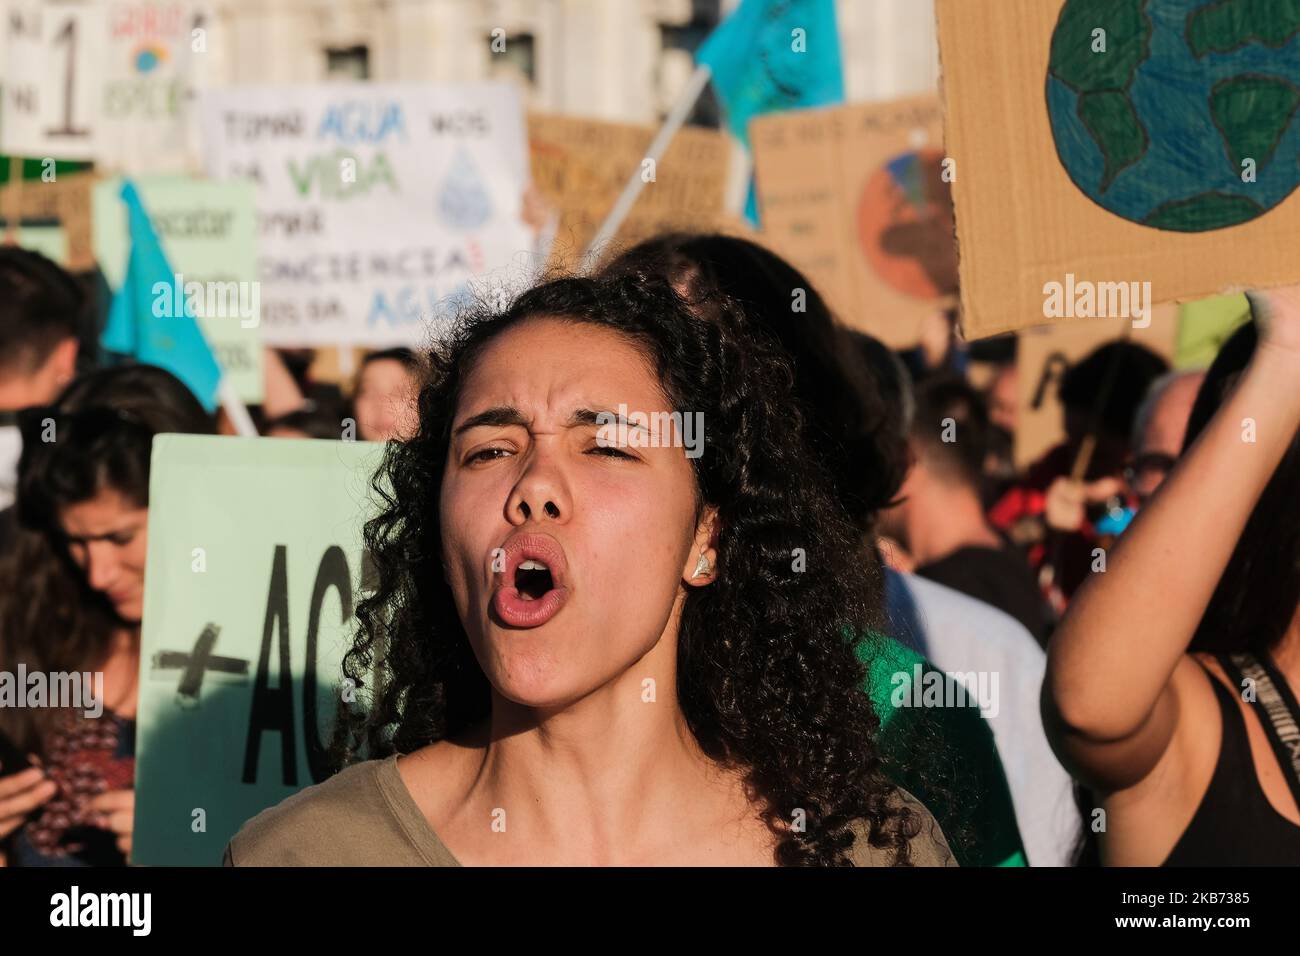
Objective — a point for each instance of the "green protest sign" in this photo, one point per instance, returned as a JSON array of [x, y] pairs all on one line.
[[251, 584], [208, 231]]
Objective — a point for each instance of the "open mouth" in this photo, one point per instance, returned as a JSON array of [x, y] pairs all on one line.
[[533, 579], [533, 585]]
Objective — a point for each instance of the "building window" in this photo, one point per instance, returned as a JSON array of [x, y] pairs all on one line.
[[517, 61], [687, 37], [347, 63]]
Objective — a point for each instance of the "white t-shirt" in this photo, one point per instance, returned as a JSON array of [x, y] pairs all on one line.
[[11, 447], [968, 638]]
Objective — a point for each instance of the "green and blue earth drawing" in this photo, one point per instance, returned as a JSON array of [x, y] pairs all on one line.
[[1157, 129]]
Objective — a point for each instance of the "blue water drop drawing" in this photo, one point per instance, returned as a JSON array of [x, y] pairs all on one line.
[[463, 202]]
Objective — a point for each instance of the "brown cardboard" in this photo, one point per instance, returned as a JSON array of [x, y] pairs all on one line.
[[66, 199], [1021, 220], [1045, 352], [830, 205], [580, 167]]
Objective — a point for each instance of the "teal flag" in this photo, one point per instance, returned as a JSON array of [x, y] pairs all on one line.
[[151, 319], [770, 56]]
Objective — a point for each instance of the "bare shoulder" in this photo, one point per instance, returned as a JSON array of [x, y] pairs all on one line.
[[340, 822], [927, 847]]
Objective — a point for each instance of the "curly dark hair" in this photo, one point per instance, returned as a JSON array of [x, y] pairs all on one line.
[[768, 680]]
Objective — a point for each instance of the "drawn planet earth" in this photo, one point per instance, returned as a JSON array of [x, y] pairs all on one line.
[[905, 225], [1182, 114]]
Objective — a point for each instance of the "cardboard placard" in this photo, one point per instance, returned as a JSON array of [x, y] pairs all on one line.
[[254, 563], [208, 231], [1154, 142], [1046, 352], [380, 206], [856, 197], [66, 201], [580, 166]]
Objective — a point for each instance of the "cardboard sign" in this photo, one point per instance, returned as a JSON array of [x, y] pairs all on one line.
[[108, 81], [580, 166], [252, 579], [381, 207], [1046, 353], [857, 198], [207, 230], [51, 240], [65, 201], [1154, 143]]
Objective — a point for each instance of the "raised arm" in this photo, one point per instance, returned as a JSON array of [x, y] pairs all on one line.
[[1109, 701]]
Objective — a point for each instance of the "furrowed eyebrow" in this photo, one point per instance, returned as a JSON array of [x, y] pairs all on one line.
[[585, 416], [499, 416]]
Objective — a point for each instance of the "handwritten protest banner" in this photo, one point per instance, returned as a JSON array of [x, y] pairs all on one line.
[[208, 231], [1114, 147], [252, 580], [858, 198], [108, 81], [580, 166], [380, 206]]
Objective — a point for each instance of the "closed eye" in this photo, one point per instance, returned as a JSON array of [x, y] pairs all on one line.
[[609, 451], [488, 454]]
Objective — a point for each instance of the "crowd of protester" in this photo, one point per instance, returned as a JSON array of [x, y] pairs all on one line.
[[1115, 731]]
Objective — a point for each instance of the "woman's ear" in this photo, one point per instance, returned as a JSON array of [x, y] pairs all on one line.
[[702, 562]]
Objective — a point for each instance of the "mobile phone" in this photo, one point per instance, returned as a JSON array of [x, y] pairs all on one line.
[[12, 760]]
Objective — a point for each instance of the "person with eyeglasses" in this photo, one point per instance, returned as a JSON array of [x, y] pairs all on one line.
[[71, 600]]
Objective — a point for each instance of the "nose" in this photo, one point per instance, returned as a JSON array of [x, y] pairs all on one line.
[[101, 565], [540, 493]]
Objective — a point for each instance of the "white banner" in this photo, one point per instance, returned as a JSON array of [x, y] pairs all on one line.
[[378, 204], [106, 80]]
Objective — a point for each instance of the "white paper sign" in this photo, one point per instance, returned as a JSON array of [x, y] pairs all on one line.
[[378, 205], [52, 79], [106, 80]]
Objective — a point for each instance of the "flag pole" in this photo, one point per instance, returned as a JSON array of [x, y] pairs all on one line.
[[235, 409], [676, 117]]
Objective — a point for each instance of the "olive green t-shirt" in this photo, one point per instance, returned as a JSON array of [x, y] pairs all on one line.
[[365, 816]]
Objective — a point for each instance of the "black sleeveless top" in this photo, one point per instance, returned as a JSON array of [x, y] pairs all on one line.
[[1235, 825]]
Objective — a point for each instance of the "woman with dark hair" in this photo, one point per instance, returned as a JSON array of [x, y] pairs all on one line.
[[593, 640], [71, 603], [1172, 680]]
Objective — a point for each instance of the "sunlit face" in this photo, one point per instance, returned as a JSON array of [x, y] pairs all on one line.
[[527, 479], [107, 537], [385, 401]]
